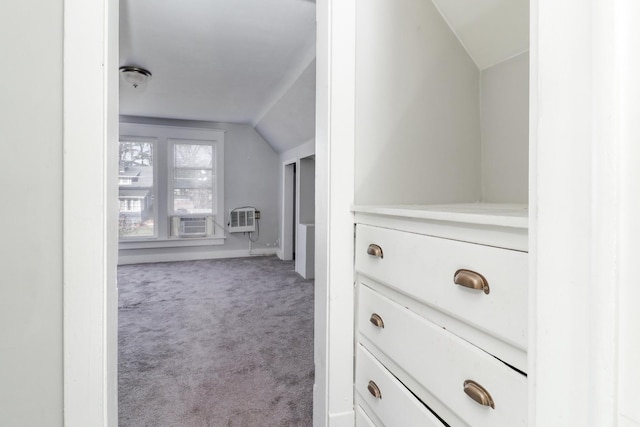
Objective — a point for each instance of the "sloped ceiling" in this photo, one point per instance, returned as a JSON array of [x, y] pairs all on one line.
[[215, 60], [291, 121], [490, 30]]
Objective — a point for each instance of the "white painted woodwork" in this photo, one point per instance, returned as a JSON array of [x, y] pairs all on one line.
[[397, 406], [490, 30], [500, 225], [478, 214], [628, 135], [362, 419], [439, 363], [484, 339], [305, 250], [90, 213], [31, 263], [584, 194], [423, 267], [335, 127], [287, 212], [192, 254]]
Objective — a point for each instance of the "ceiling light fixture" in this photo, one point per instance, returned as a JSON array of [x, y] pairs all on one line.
[[135, 76]]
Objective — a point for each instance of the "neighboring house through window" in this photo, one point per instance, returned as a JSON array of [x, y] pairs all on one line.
[[137, 218], [170, 178]]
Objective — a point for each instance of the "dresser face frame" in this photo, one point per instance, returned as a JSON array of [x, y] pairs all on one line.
[[403, 257]]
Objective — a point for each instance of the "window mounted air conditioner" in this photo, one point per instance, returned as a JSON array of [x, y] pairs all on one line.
[[242, 220], [191, 226]]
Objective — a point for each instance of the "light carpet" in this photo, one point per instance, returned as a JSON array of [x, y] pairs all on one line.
[[225, 343]]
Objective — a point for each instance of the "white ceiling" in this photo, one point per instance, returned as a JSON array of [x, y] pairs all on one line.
[[214, 60], [490, 30], [249, 61]]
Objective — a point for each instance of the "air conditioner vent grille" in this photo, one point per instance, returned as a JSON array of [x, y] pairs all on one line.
[[242, 220], [187, 226]]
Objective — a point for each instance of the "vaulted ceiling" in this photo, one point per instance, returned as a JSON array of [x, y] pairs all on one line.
[[237, 61], [252, 61]]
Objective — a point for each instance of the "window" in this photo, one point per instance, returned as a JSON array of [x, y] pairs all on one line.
[[171, 178], [193, 186], [137, 214]]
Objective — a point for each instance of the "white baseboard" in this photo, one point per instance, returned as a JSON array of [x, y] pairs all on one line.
[[125, 259]]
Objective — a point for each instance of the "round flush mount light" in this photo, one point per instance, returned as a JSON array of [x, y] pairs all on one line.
[[135, 76]]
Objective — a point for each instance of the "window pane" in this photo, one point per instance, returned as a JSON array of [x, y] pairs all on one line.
[[192, 178], [193, 200], [193, 156], [136, 201]]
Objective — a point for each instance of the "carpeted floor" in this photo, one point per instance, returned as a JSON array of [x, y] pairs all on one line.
[[219, 343]]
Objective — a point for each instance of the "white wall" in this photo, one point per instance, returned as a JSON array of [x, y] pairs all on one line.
[[31, 390], [504, 109], [252, 172], [425, 110], [417, 97]]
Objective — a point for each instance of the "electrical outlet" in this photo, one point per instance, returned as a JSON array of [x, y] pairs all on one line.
[[257, 214]]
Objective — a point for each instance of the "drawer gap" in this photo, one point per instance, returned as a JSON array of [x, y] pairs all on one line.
[[421, 401], [510, 366]]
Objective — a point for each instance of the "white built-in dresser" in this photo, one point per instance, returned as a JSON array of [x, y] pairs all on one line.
[[441, 315]]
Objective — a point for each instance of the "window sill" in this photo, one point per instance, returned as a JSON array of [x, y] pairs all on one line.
[[171, 243]]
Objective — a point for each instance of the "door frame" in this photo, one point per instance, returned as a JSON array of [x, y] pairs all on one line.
[[90, 118], [287, 239], [335, 133], [585, 201]]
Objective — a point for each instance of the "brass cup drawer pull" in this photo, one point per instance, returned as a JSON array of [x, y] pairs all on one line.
[[376, 320], [478, 393], [374, 390], [471, 279], [375, 250]]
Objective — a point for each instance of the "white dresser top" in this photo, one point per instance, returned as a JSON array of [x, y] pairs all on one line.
[[494, 224]]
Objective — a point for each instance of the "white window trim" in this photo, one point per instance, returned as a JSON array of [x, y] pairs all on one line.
[[166, 136], [171, 143]]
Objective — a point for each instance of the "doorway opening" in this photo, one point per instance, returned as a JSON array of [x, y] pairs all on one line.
[[257, 134], [289, 212]]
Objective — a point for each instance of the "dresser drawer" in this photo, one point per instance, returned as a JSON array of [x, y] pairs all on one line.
[[440, 363], [423, 267], [362, 419], [395, 406]]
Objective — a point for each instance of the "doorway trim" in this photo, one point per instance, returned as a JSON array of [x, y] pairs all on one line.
[[90, 212], [288, 208]]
